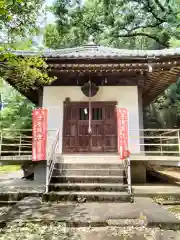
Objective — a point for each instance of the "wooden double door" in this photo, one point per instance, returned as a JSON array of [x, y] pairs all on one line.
[[103, 137]]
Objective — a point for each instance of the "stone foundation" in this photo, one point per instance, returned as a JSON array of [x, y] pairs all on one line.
[[138, 172], [40, 172]]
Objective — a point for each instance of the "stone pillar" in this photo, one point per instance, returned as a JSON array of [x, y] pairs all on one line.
[[138, 172], [40, 172]]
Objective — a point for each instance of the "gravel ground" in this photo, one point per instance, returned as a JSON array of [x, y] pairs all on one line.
[[32, 231], [58, 231]]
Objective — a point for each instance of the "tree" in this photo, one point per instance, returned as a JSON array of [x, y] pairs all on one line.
[[17, 112], [119, 23], [153, 19], [19, 19], [164, 112]]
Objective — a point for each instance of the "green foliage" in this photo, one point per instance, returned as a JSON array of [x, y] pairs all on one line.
[[26, 73], [165, 111], [18, 17], [119, 23], [53, 37], [18, 110], [9, 168], [21, 43], [174, 42]]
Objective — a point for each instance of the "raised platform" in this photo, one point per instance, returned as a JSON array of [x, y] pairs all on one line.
[[15, 159], [157, 190], [92, 158]]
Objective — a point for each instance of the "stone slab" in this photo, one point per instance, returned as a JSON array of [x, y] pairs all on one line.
[[74, 214], [91, 214], [106, 211], [102, 236], [154, 213]]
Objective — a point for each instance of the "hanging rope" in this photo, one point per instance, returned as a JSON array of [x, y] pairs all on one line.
[[89, 127]]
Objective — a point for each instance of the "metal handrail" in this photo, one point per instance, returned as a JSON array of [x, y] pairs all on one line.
[[51, 160], [17, 142], [127, 169], [155, 141]]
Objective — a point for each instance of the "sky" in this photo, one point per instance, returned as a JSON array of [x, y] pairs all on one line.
[[49, 2], [38, 40], [50, 17]]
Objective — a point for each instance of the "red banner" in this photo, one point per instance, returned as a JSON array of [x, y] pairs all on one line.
[[122, 126], [39, 141]]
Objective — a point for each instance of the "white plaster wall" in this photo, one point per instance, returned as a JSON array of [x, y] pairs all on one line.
[[126, 96]]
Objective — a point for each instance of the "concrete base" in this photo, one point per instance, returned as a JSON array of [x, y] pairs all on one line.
[[40, 172], [138, 172]]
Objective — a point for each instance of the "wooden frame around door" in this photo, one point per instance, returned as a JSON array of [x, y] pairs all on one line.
[[75, 137]]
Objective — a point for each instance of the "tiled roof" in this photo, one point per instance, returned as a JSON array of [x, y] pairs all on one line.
[[99, 52]]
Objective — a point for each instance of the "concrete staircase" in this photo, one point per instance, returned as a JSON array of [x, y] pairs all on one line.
[[86, 178]]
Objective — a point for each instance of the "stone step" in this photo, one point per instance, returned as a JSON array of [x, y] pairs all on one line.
[[87, 179], [90, 158], [107, 187], [87, 196], [88, 165], [90, 172]]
